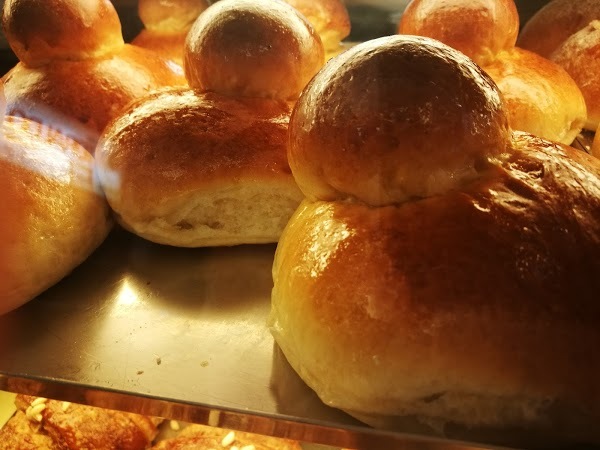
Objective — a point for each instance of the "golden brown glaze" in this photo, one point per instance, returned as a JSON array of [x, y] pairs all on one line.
[[540, 97], [479, 28], [40, 31], [252, 48], [174, 16], [329, 18], [385, 121], [167, 45], [555, 23], [478, 307], [79, 98], [54, 216], [579, 55], [171, 149]]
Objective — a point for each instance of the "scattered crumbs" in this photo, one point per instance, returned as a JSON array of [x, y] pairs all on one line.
[[158, 361], [228, 439], [204, 363], [65, 406], [139, 372], [174, 425]]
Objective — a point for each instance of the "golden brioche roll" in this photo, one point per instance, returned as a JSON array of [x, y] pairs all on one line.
[[329, 18], [411, 133], [478, 307], [202, 437], [50, 424], [579, 55], [481, 29], [256, 48], [42, 31], [540, 97], [553, 24], [191, 169], [79, 98], [54, 215], [167, 26]]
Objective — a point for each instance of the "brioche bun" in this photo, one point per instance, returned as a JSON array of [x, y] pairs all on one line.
[[540, 97], [174, 16], [553, 24], [43, 31], [352, 126], [54, 215], [260, 48], [190, 169], [579, 55], [481, 29]]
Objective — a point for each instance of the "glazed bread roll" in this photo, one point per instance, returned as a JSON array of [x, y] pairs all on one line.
[[238, 30], [52, 425], [542, 98], [193, 168], [448, 305], [54, 214], [579, 55], [76, 74], [481, 29], [166, 25], [539, 96], [555, 23]]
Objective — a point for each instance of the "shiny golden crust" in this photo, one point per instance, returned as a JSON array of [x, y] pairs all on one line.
[[254, 48], [74, 426], [54, 216], [412, 133], [167, 45], [79, 98], [478, 307], [191, 169], [39, 31], [555, 23], [329, 18], [540, 97], [481, 29], [174, 16], [580, 57], [201, 437]]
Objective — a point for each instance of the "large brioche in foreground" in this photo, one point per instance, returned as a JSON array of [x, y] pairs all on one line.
[[54, 215], [474, 304]]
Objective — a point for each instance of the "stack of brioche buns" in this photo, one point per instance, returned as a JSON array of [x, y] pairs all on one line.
[[54, 215], [207, 165], [445, 265], [541, 98], [76, 73]]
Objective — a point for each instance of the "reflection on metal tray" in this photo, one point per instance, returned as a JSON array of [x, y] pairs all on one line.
[[177, 333]]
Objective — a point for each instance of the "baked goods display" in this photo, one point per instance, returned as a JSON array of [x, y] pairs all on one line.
[[541, 97], [75, 72], [54, 215], [207, 166], [43, 424], [166, 25], [555, 22], [446, 266]]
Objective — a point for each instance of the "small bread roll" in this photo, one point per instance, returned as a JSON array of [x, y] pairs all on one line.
[[240, 29], [555, 23], [540, 97], [329, 18], [49, 30], [481, 29], [350, 113], [54, 215], [166, 25], [77, 73], [579, 55]]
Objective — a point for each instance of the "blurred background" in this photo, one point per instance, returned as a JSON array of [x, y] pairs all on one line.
[[370, 19]]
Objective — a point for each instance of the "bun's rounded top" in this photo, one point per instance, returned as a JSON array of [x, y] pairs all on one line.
[[172, 16], [478, 28], [253, 48], [329, 18], [393, 119], [39, 31], [555, 22]]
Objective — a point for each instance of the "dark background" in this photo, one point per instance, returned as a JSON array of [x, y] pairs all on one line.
[[370, 19]]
